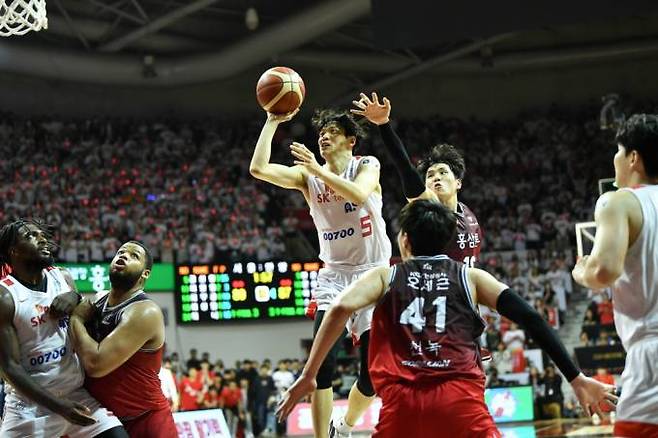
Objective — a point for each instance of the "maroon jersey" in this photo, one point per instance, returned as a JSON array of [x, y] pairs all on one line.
[[465, 247], [426, 326], [134, 388]]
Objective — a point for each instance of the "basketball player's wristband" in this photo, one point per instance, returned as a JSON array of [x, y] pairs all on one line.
[[515, 308], [412, 183]]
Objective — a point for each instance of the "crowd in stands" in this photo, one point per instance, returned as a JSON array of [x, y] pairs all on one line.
[[247, 393], [184, 188]]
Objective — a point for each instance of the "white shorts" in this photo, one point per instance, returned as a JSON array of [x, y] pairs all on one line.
[[22, 419], [639, 384], [331, 283]]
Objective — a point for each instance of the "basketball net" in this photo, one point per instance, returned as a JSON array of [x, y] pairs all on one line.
[[18, 17]]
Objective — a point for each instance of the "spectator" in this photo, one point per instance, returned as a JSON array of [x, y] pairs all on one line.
[[606, 315], [191, 391], [231, 398], [169, 386], [264, 390], [193, 361], [282, 377], [551, 395]]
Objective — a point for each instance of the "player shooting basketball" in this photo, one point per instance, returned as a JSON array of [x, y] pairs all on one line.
[[345, 200]]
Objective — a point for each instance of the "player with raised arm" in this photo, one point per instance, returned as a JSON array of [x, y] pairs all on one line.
[[345, 201], [424, 356], [45, 397], [122, 345], [625, 258], [443, 171]]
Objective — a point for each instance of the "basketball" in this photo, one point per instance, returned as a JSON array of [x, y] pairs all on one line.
[[280, 90]]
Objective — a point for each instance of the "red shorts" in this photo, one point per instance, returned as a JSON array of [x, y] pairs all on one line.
[[452, 408], [633, 429], [153, 424]]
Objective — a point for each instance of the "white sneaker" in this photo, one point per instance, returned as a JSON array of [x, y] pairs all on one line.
[[340, 430]]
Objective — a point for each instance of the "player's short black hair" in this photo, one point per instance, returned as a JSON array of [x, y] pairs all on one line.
[[429, 226], [9, 235], [443, 153], [344, 119], [149, 256], [640, 133]]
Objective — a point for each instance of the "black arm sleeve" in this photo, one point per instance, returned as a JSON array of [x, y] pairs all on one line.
[[515, 308], [412, 183]]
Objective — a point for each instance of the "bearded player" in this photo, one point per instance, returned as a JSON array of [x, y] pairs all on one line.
[[123, 347], [45, 397], [424, 357], [625, 258], [345, 200]]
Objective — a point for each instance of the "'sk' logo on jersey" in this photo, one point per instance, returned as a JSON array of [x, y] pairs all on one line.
[[36, 321]]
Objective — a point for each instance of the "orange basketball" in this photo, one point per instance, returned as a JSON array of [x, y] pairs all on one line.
[[280, 90]]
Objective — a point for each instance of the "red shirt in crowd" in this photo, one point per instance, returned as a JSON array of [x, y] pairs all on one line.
[[606, 315], [189, 393], [231, 397]]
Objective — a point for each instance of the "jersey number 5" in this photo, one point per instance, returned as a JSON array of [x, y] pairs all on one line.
[[414, 315]]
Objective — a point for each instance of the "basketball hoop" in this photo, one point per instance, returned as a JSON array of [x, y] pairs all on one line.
[[18, 17]]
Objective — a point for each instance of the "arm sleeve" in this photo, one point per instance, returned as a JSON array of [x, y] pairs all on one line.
[[412, 183], [515, 308]]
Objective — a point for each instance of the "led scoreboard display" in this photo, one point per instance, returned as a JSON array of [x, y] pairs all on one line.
[[244, 291]]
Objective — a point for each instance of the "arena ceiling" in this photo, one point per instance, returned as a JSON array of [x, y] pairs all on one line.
[[177, 42]]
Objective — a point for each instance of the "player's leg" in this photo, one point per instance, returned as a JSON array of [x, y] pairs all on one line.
[[105, 420], [362, 393], [155, 424], [322, 399], [637, 410]]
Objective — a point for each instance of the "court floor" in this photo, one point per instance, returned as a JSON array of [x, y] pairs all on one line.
[[549, 428]]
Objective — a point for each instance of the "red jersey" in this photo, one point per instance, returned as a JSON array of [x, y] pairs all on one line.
[[465, 247], [426, 326], [133, 388], [231, 397]]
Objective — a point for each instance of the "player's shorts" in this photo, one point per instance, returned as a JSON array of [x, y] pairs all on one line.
[[637, 410], [456, 408], [153, 424], [331, 282], [22, 419]]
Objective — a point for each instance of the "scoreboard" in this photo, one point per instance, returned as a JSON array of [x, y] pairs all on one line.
[[244, 291]]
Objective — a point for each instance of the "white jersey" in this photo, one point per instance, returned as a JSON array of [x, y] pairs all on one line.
[[635, 293], [46, 352], [350, 235]]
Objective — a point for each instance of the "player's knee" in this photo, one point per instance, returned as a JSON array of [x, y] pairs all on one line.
[[364, 384], [325, 374]]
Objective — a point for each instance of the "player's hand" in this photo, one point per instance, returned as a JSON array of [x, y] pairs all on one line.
[[75, 413], [591, 393], [303, 386], [371, 109], [304, 157], [280, 118], [63, 305], [578, 272], [84, 310]]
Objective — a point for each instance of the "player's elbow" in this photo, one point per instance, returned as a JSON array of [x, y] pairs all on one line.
[[255, 170], [604, 274], [93, 368], [342, 308]]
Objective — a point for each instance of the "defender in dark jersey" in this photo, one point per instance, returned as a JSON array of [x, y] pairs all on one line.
[[424, 358], [120, 340], [442, 170]]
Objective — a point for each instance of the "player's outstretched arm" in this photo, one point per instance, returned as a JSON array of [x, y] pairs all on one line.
[[140, 323], [365, 291], [14, 373], [379, 113], [277, 174], [498, 296], [613, 235]]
